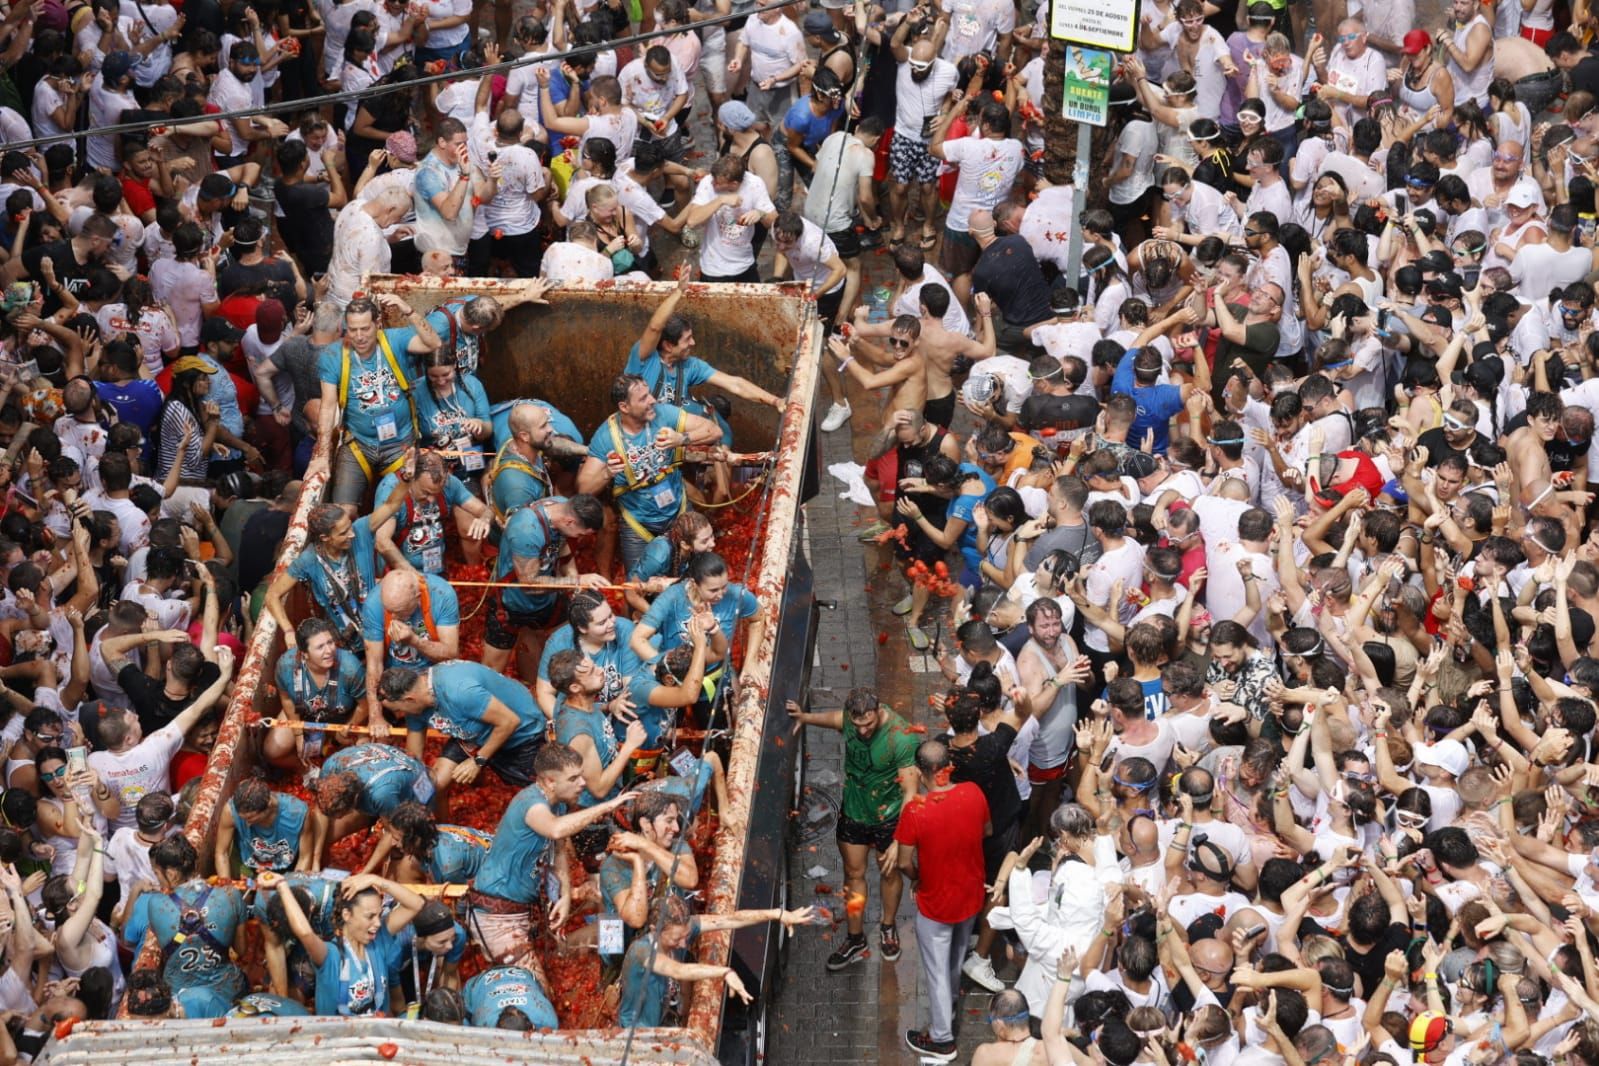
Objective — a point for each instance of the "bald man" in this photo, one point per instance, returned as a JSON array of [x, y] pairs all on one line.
[[519, 474], [411, 620]]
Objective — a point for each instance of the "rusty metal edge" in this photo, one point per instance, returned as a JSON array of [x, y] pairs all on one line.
[[704, 1021], [782, 521]]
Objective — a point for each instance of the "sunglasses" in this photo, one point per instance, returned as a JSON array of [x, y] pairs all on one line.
[[898, 342], [52, 775], [1502, 157], [1411, 818], [919, 67]]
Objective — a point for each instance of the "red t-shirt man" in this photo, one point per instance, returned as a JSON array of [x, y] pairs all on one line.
[[947, 828]]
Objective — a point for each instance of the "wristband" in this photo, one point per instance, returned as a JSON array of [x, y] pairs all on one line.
[[1429, 977]]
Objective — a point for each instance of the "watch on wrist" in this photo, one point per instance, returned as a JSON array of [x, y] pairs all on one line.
[[481, 760]]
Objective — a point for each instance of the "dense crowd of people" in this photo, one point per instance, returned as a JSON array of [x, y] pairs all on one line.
[[1260, 568]]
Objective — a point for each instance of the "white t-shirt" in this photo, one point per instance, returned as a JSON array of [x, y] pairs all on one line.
[[513, 208], [140, 770], [811, 254], [909, 302], [1124, 564], [774, 48], [621, 129], [443, 9], [259, 355], [228, 93], [1224, 591], [988, 169], [975, 26], [565, 261], [155, 330], [152, 20], [1138, 139], [1209, 81], [1062, 339], [917, 101], [134, 523], [45, 101], [728, 245], [458, 100], [168, 613], [648, 98], [1538, 269], [105, 109], [358, 247], [1047, 225]]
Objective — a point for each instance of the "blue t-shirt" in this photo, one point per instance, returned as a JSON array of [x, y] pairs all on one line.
[[332, 702], [201, 956], [501, 417], [273, 847], [487, 995], [340, 587], [639, 687], [201, 1001], [463, 690], [352, 987], [1156, 702], [424, 959], [962, 507], [560, 88], [670, 612], [457, 856], [643, 990], [388, 776], [571, 723], [135, 402], [442, 605], [616, 658], [658, 498], [517, 482], [511, 868], [655, 562], [529, 535], [1157, 404], [812, 127], [324, 898], [669, 384], [419, 524], [225, 394], [443, 419], [376, 412]]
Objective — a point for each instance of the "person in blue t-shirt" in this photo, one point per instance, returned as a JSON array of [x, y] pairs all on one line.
[[638, 453], [675, 680], [414, 537], [194, 922], [369, 377], [666, 557], [491, 719], [275, 830], [136, 401], [705, 589], [438, 854], [360, 784], [430, 951], [530, 857], [594, 629], [662, 357], [636, 860], [288, 967], [508, 997], [960, 521], [587, 729], [353, 966], [811, 119], [534, 548], [1138, 374], [410, 620], [656, 958], [318, 682], [338, 563]]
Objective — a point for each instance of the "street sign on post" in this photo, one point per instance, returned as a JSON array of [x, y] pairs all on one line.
[[1085, 95], [1111, 25]]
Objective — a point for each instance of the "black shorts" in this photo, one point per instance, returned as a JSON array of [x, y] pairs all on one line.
[[827, 305], [877, 836], [940, 412], [848, 243], [503, 625], [514, 765]]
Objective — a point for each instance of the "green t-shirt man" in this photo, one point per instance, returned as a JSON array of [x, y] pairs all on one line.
[[872, 793]]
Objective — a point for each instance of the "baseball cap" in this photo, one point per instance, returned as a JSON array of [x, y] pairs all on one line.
[[1521, 195], [1416, 42], [117, 65], [219, 329], [192, 363], [269, 319], [1446, 755], [735, 115], [818, 24], [401, 145]]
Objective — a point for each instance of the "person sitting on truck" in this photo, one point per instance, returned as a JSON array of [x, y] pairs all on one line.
[[413, 538], [432, 945], [672, 682], [275, 831], [519, 474], [319, 683], [507, 997], [705, 589], [490, 719], [638, 453], [666, 557], [637, 860], [360, 784], [596, 630], [194, 924], [410, 620]]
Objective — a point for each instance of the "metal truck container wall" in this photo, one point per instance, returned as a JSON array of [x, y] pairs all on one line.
[[568, 352]]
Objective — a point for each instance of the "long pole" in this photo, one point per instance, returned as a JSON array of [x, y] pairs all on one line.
[[1074, 247]]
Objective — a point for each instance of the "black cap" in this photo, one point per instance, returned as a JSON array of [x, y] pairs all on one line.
[[433, 918], [215, 329]]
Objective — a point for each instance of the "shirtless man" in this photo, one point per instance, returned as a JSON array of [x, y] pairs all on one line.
[[1529, 462], [901, 368], [939, 345]]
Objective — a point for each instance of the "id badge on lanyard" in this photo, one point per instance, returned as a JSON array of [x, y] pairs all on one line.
[[387, 428]]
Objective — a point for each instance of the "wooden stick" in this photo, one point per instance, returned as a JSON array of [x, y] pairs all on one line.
[[324, 727], [452, 891]]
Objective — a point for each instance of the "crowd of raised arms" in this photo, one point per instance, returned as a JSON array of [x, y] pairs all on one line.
[[1260, 569]]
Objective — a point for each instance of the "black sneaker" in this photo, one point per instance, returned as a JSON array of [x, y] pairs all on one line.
[[928, 1048], [853, 951], [888, 941]]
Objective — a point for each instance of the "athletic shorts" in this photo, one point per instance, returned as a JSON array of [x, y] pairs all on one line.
[[848, 243], [514, 765], [959, 254], [877, 836], [503, 625], [941, 411], [885, 468], [910, 163]]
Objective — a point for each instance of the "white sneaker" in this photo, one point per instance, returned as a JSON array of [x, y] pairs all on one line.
[[837, 415], [981, 971]]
